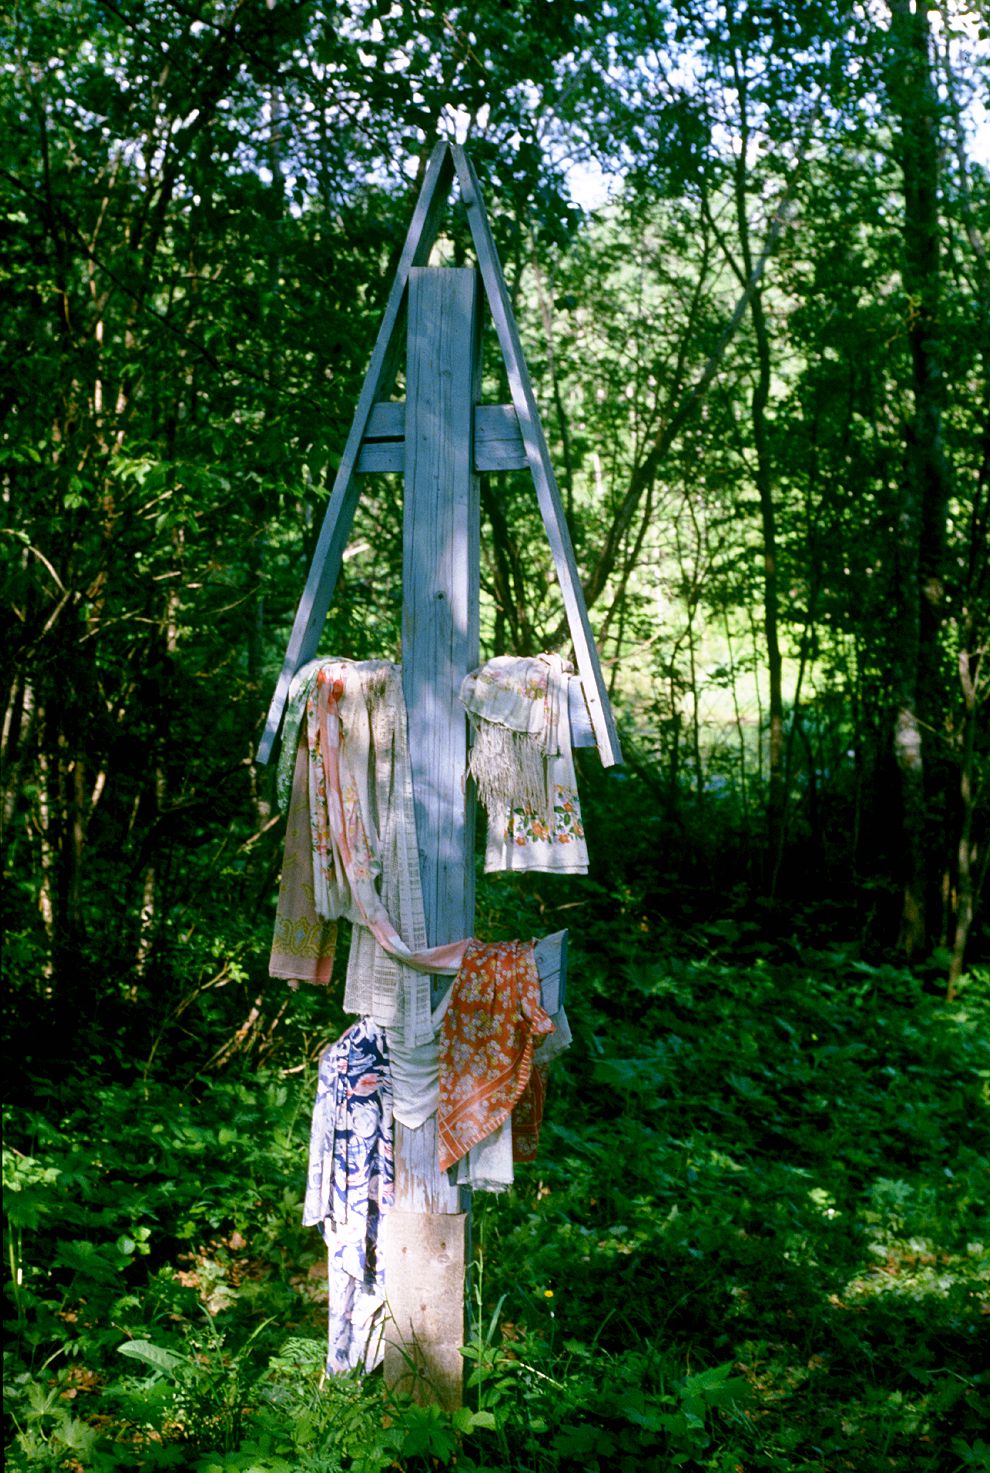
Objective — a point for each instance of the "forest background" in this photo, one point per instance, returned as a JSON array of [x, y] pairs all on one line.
[[762, 364]]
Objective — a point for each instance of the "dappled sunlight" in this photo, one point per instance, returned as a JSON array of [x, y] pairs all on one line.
[[915, 1270]]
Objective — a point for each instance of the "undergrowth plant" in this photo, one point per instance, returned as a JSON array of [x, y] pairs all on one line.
[[756, 1237]]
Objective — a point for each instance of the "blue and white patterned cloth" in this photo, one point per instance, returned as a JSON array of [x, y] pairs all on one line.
[[351, 1183]]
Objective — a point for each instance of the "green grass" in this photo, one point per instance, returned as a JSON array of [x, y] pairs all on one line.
[[756, 1239]]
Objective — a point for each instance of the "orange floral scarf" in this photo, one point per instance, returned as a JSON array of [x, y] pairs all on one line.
[[486, 1044]]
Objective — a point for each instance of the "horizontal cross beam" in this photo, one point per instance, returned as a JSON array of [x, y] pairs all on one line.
[[498, 441]]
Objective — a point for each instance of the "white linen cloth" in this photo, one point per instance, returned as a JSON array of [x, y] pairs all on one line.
[[522, 764]]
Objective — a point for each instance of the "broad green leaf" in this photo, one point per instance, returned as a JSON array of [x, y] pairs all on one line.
[[153, 1355]]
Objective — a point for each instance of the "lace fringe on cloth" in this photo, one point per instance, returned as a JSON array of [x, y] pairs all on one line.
[[522, 765]]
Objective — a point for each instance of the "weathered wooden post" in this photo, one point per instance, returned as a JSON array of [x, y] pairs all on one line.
[[440, 439], [425, 1231]]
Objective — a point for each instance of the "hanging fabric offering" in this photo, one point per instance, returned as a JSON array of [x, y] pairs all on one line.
[[488, 1165], [527, 1117], [351, 852], [350, 1186], [379, 982], [350, 720], [295, 717], [304, 943], [486, 1043], [522, 764]]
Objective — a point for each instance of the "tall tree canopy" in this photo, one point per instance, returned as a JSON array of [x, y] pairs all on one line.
[[763, 367]]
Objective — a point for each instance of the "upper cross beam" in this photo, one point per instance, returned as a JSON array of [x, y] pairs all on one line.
[[498, 441]]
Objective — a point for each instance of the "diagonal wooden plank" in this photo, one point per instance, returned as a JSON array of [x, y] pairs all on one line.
[[538, 456], [325, 566]]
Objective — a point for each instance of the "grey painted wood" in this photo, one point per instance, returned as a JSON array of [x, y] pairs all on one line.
[[502, 443], [325, 566], [419, 1185], [383, 447], [381, 457], [538, 457], [582, 731], [426, 1254], [387, 421], [551, 963], [498, 442], [440, 578]]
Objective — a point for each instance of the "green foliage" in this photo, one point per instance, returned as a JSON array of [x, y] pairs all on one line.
[[204, 213], [757, 1234]]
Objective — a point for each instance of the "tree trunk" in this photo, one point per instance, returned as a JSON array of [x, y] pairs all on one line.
[[969, 665], [776, 794], [921, 520]]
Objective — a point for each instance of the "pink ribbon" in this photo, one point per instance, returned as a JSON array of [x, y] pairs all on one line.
[[446, 959]]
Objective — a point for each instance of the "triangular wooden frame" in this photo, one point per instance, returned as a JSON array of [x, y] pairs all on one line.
[[327, 557]]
